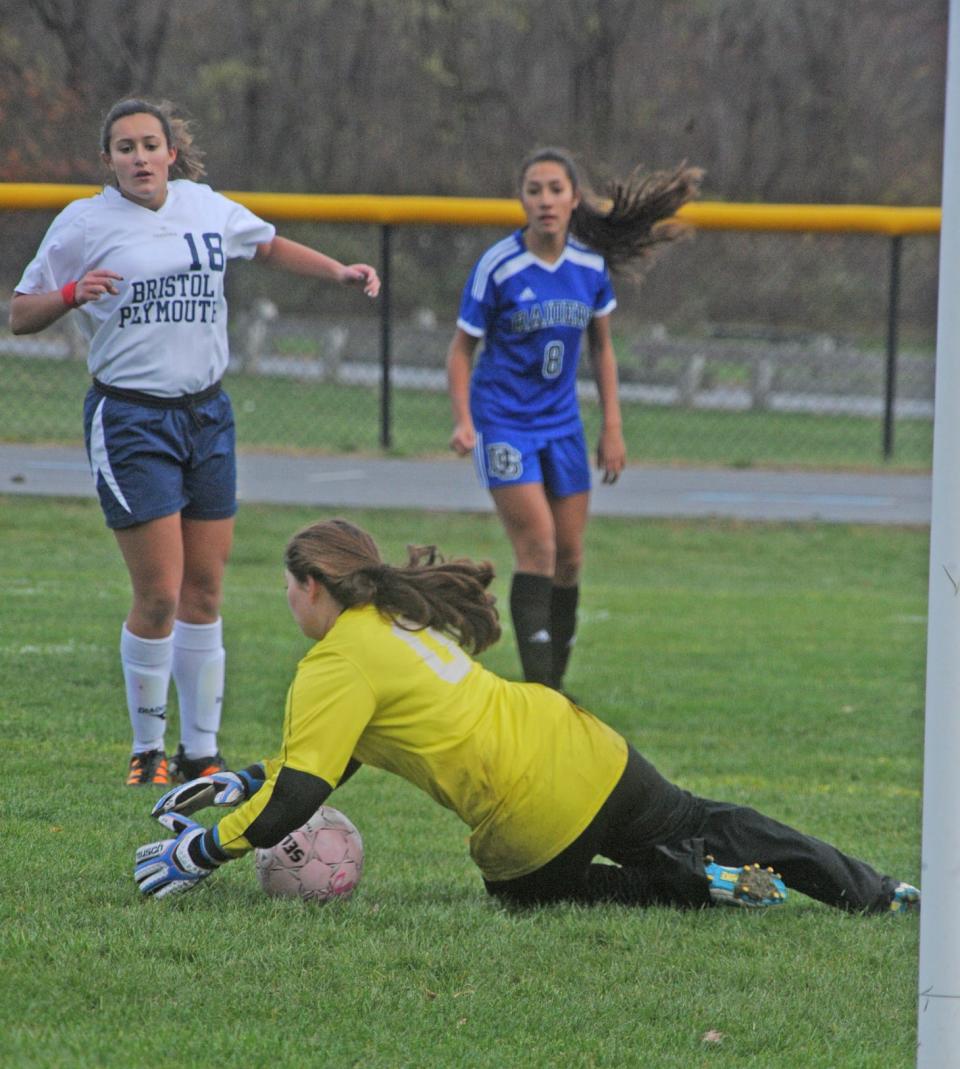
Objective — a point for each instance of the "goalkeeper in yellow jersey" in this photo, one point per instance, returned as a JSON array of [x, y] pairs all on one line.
[[544, 786]]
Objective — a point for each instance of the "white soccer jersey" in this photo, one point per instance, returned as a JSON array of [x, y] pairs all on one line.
[[165, 333]]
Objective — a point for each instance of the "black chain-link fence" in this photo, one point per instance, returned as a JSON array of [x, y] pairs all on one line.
[[738, 349]]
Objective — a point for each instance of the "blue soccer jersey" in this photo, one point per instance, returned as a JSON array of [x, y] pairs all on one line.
[[531, 315]]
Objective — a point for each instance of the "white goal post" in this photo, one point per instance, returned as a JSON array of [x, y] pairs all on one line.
[[938, 1009]]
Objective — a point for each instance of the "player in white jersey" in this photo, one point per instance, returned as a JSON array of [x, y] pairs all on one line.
[[530, 298], [144, 263]]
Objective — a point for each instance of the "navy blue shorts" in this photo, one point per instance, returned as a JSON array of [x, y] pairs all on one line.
[[150, 458], [507, 457]]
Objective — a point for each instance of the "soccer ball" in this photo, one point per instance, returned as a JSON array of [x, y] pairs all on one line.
[[320, 861]]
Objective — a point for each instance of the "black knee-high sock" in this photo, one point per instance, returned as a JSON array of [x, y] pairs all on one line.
[[563, 627], [530, 609]]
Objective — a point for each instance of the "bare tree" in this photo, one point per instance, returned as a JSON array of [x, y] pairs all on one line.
[[108, 48], [806, 100]]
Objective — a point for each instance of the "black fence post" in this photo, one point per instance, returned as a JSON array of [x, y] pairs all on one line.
[[890, 390], [385, 429]]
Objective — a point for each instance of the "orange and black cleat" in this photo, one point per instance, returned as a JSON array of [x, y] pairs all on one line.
[[148, 769], [183, 768]]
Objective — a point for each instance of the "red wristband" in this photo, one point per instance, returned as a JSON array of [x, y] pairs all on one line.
[[69, 295]]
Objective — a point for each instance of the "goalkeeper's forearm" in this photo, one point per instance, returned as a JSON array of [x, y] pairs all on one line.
[[294, 797]]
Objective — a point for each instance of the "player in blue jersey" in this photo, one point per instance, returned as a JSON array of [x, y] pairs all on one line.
[[144, 265], [530, 298]]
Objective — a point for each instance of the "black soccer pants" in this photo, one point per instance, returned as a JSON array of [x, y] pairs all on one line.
[[658, 836]]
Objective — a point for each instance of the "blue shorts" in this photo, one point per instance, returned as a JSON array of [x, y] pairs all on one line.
[[507, 457], [152, 459]]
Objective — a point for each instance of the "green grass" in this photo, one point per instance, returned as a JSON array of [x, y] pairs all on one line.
[[41, 401], [777, 665]]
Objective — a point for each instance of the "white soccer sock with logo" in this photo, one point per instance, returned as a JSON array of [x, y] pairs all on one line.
[[199, 662], [146, 673]]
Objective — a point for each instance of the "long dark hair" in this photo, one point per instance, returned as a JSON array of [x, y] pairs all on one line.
[[427, 591], [177, 130], [639, 218]]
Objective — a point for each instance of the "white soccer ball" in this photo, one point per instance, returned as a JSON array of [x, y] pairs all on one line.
[[320, 861]]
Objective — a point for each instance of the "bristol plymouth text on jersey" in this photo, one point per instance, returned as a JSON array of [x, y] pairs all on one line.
[[182, 298]]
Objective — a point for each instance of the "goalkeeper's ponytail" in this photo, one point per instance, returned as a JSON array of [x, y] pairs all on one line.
[[426, 591]]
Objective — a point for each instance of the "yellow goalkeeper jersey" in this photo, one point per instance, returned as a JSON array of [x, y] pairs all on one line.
[[521, 765]]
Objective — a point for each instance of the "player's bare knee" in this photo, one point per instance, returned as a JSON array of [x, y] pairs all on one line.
[[536, 556], [154, 611], [200, 601]]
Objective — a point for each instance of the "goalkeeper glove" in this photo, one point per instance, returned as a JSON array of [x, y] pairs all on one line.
[[171, 866], [219, 788]]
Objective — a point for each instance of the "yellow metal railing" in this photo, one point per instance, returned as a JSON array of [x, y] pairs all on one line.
[[387, 212], [476, 211]]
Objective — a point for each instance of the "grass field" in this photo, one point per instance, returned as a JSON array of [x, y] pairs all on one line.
[[42, 399], [777, 665]]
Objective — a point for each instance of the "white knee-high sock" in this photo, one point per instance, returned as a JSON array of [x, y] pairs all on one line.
[[199, 663], [146, 673]]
